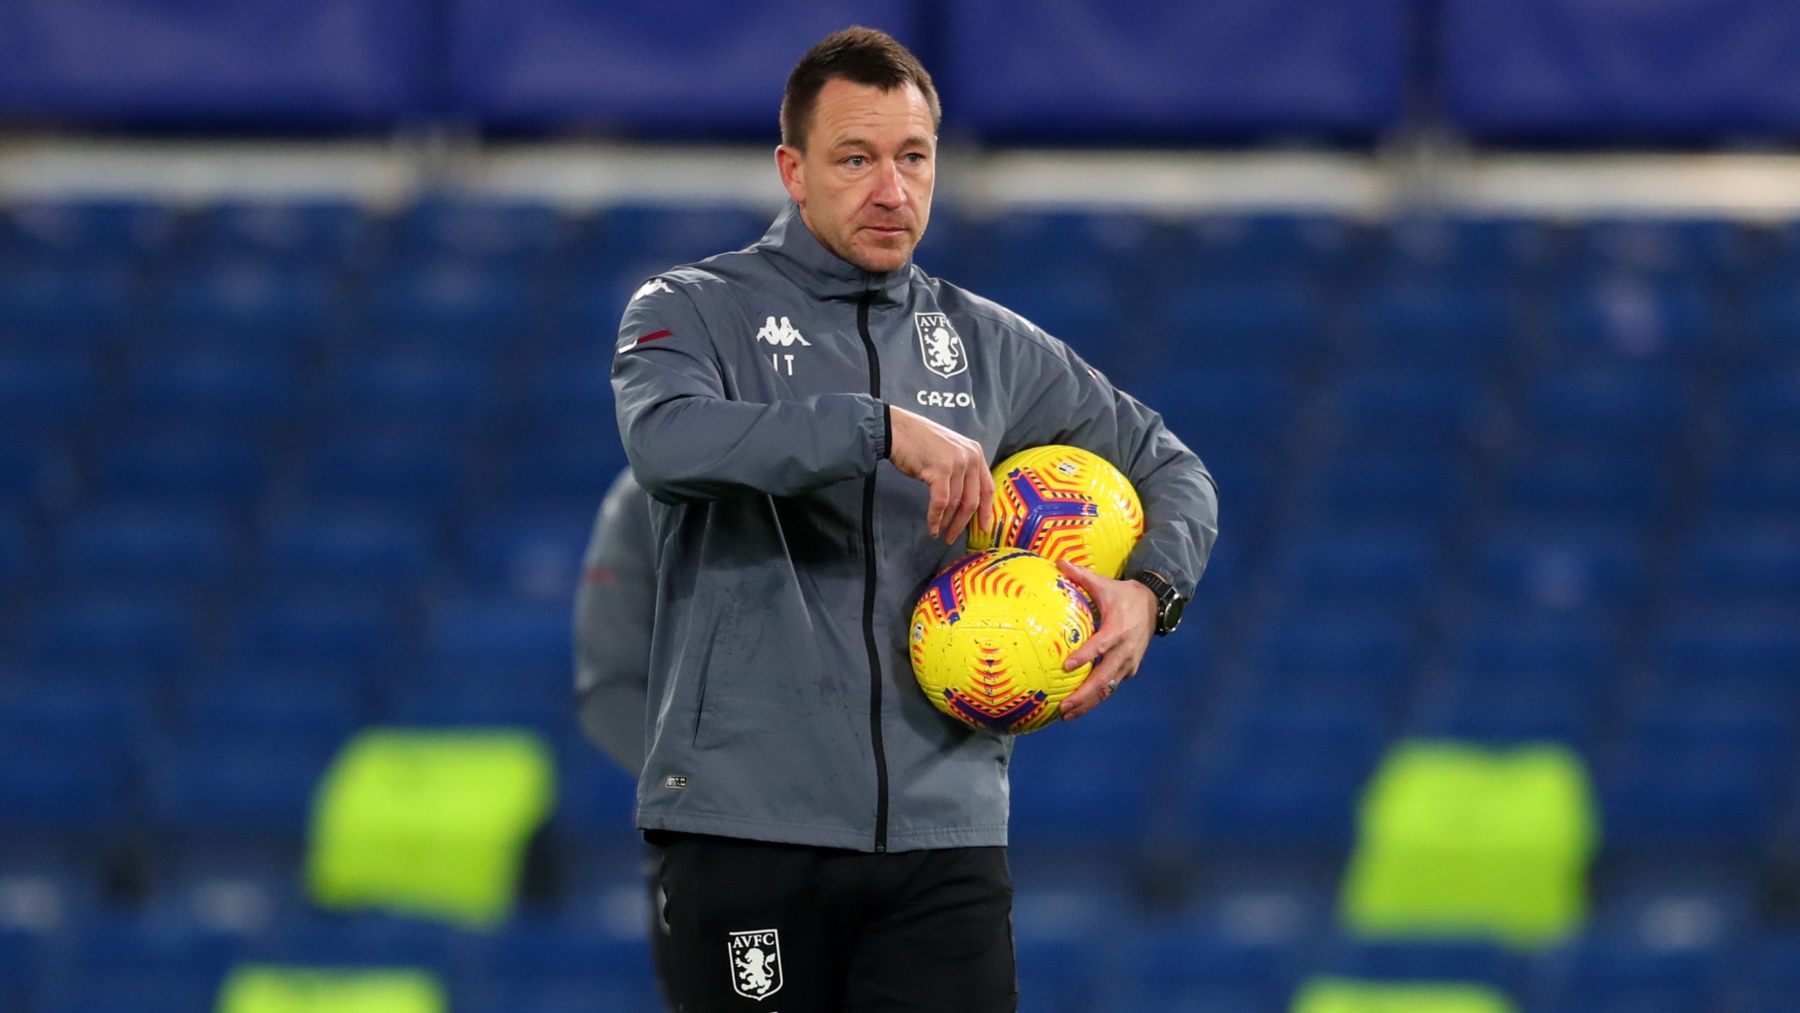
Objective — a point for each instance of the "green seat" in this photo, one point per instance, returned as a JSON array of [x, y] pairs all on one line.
[[1337, 995], [1459, 841], [261, 988], [430, 823]]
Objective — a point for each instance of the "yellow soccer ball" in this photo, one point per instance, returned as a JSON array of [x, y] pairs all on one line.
[[1064, 503], [989, 637]]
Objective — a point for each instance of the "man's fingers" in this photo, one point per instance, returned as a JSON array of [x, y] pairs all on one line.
[[966, 505], [940, 505], [986, 497]]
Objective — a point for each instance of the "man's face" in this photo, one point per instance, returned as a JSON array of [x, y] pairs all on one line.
[[864, 181]]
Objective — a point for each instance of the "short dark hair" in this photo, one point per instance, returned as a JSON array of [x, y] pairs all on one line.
[[856, 54]]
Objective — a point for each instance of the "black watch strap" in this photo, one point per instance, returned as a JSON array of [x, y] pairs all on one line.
[[1169, 602]]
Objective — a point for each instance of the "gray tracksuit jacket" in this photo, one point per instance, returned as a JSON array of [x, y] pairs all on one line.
[[615, 609], [752, 391]]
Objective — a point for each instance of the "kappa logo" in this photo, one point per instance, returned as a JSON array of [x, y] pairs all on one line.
[[783, 334], [652, 286], [756, 963], [940, 345]]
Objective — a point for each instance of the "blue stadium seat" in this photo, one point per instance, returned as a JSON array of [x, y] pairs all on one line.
[[1695, 248], [654, 238], [1187, 967], [107, 722], [398, 469], [427, 390], [573, 390], [251, 786], [1606, 411], [1521, 708], [1387, 569], [291, 233], [452, 304], [1422, 492], [1023, 244], [51, 306], [1408, 410], [348, 547], [1556, 568], [1222, 411], [145, 546], [1258, 246], [540, 967], [70, 750], [144, 634], [1498, 647], [368, 941], [586, 312], [1464, 250], [1063, 801], [29, 471], [17, 558], [1670, 794], [1749, 488], [596, 799], [464, 698], [1635, 320], [1084, 311], [1326, 652], [1255, 799], [1584, 489], [489, 636], [1763, 409], [182, 466], [1745, 653], [1772, 973], [1422, 960], [496, 233], [573, 464], [1248, 479], [226, 388], [1739, 565], [528, 554], [46, 392], [137, 964], [337, 632], [1618, 976], [1412, 322], [77, 230], [1774, 324], [239, 305], [1243, 324], [313, 719]]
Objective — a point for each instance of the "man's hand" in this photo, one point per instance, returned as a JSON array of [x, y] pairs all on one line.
[[954, 466], [1127, 622]]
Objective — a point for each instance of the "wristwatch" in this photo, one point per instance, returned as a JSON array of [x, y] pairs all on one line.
[[1169, 601]]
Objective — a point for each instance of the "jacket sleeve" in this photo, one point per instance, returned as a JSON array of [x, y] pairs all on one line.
[[614, 611], [1058, 398], [687, 440]]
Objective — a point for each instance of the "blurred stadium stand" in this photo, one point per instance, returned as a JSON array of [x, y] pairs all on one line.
[[319, 449]]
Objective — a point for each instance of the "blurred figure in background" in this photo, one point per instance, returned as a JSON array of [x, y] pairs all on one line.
[[614, 610]]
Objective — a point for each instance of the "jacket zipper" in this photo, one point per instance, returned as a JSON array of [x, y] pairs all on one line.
[[881, 774]]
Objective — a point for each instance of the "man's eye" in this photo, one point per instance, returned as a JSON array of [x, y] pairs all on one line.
[[856, 161]]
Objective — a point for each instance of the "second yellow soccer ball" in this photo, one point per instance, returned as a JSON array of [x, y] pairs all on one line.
[[1064, 502]]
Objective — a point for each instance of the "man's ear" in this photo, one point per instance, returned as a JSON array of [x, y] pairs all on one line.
[[793, 172]]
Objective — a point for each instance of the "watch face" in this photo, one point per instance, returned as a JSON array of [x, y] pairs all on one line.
[[1170, 616]]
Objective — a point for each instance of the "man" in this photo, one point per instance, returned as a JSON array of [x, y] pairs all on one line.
[[614, 612], [816, 449]]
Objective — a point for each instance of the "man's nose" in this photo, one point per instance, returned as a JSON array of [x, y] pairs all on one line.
[[888, 191]]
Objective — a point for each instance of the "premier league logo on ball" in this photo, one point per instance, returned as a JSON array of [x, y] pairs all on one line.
[[756, 963]]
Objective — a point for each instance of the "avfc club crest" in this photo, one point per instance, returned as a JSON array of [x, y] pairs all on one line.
[[940, 345], [756, 963]]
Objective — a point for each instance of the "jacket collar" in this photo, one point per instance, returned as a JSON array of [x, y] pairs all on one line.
[[800, 254]]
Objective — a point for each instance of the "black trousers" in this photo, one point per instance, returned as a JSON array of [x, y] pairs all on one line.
[[781, 928]]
